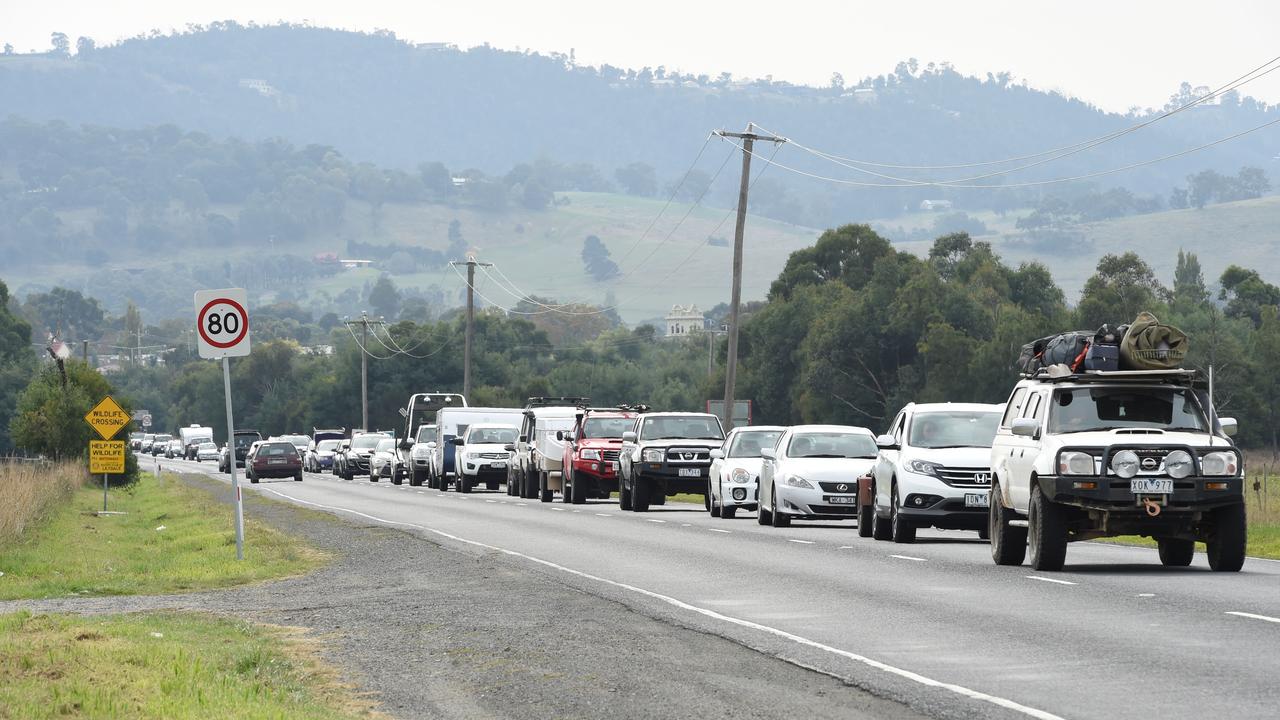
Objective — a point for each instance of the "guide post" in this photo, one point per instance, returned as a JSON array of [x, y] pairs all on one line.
[[222, 330]]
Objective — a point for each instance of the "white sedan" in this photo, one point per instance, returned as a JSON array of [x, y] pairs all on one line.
[[207, 451], [813, 473], [382, 462], [734, 479]]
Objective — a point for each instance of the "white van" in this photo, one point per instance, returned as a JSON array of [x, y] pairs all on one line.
[[452, 422]]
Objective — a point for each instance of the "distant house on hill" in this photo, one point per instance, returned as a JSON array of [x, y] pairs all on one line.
[[935, 205], [683, 320]]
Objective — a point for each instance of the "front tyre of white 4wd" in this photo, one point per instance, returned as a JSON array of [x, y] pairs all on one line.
[[1228, 544], [1046, 531], [1008, 543]]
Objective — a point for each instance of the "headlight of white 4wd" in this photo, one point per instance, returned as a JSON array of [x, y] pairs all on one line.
[[1075, 463], [654, 455], [1220, 464], [924, 467], [589, 454], [740, 475], [1178, 464], [1125, 463], [797, 482]]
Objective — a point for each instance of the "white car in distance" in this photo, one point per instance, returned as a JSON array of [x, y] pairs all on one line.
[[734, 479], [206, 451], [934, 470], [382, 462], [482, 456], [812, 473]]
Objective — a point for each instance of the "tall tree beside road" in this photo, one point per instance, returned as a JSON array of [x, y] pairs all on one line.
[[1123, 286]]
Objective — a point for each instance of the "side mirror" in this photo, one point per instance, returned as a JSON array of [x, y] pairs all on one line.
[[524, 439], [560, 436], [717, 454], [406, 444], [629, 436], [509, 447], [1026, 427], [431, 444], [1229, 426], [457, 441], [886, 442], [768, 453]]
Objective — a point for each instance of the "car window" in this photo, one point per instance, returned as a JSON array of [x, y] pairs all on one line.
[[277, 450], [606, 427], [749, 443], [426, 433], [1014, 407], [385, 445], [831, 445], [491, 436], [366, 442], [326, 444], [1033, 406], [953, 429], [678, 427], [1083, 409]]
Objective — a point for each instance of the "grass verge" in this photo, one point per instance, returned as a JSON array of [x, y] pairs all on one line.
[[32, 490], [173, 538], [164, 665]]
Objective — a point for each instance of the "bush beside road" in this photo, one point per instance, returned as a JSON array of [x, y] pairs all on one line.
[[163, 665], [172, 538]]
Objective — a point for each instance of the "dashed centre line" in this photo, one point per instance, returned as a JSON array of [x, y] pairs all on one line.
[[802, 542], [908, 557], [603, 515], [1252, 616], [726, 532], [1051, 580], [653, 520]]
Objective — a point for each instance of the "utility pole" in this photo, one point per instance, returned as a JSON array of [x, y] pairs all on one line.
[[748, 138], [364, 322], [471, 319]]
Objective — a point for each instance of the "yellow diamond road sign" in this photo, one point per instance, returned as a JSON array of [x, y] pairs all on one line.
[[107, 417], [106, 456]]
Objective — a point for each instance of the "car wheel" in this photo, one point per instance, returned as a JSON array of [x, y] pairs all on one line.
[[566, 492], [545, 494], [624, 495], [640, 494], [728, 512], [1008, 543], [900, 527], [711, 505], [1227, 546], [298, 477], [577, 489], [1176, 552], [491, 485], [373, 477], [865, 513], [1046, 532], [880, 528], [465, 484], [780, 520], [763, 516], [415, 480]]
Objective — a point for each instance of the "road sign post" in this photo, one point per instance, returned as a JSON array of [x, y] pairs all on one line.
[[106, 456], [222, 332]]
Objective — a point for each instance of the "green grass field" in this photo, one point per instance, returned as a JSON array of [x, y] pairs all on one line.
[[165, 666], [173, 538]]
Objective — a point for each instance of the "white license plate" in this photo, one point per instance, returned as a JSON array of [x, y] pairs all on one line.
[[838, 500], [613, 466], [690, 472], [1151, 486], [498, 466], [273, 461], [976, 500]]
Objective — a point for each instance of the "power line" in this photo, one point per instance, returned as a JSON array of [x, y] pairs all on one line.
[[674, 191], [1248, 77]]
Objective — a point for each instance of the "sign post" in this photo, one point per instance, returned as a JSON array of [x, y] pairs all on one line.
[[222, 332], [106, 456]]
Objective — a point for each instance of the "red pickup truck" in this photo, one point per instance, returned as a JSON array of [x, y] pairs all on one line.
[[591, 453]]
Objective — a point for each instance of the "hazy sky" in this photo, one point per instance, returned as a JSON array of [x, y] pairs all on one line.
[[1116, 54]]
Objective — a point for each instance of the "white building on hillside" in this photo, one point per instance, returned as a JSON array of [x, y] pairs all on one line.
[[683, 320]]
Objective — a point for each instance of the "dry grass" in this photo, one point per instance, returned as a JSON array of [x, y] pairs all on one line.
[[31, 491], [1262, 487]]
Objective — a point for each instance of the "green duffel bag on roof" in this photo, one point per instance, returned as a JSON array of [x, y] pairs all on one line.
[[1149, 345]]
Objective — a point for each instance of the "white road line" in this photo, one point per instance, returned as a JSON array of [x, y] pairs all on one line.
[[802, 542], [492, 501], [1050, 580], [577, 511], [1145, 595], [667, 599], [684, 524], [845, 547], [653, 520], [726, 532], [908, 557], [555, 509], [421, 492], [1252, 616], [603, 515], [522, 504]]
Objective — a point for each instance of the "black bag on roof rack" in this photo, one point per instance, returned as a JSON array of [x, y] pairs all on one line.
[[1104, 349], [1069, 348]]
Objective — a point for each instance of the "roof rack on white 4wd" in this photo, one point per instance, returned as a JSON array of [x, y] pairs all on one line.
[[1097, 454]]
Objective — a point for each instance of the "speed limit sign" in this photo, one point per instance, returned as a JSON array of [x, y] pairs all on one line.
[[222, 323]]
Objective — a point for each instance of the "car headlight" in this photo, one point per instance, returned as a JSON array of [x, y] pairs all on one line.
[[1075, 463], [653, 455], [589, 454], [1125, 463], [740, 475], [1219, 464], [1178, 464], [797, 482], [923, 467]]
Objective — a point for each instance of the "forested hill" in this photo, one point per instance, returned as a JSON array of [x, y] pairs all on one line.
[[384, 100]]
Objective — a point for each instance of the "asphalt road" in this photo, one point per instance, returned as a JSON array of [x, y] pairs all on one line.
[[933, 625]]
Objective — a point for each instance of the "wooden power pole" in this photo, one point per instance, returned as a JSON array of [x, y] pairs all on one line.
[[471, 319], [364, 322], [748, 138]]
